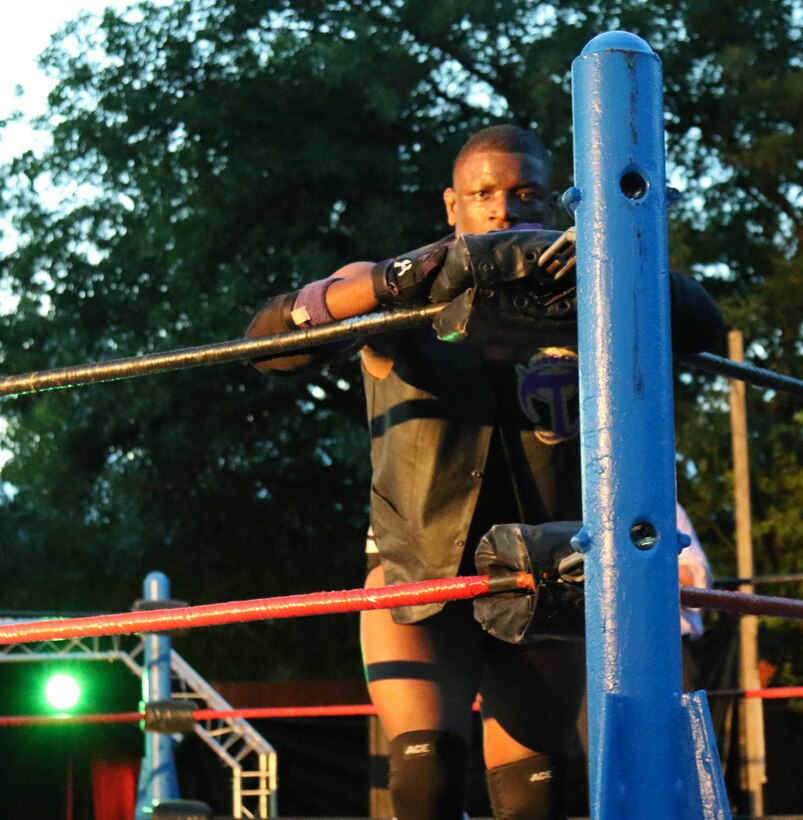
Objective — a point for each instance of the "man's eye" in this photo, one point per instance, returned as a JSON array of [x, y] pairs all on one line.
[[531, 197], [481, 194]]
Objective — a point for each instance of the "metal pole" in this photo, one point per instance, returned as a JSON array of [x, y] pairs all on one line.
[[751, 728], [158, 779], [638, 735]]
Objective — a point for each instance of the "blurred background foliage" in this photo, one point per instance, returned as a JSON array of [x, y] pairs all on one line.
[[206, 154]]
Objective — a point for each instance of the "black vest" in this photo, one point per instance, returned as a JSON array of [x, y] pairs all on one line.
[[458, 443]]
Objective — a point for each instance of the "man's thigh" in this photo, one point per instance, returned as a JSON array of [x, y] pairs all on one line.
[[422, 676], [531, 696]]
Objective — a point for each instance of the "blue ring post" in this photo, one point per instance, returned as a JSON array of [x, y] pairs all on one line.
[[158, 779], [639, 746]]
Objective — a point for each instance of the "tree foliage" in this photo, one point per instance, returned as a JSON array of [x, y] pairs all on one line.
[[206, 154]]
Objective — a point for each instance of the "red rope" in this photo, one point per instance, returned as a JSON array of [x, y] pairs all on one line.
[[61, 720], [292, 606], [764, 694], [775, 692], [349, 710], [346, 710], [352, 600]]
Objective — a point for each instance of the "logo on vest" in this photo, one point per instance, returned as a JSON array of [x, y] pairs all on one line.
[[547, 393], [536, 777]]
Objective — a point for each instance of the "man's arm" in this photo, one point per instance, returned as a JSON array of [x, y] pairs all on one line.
[[352, 293], [347, 292], [353, 290]]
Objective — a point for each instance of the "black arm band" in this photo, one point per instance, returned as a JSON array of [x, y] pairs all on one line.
[[383, 289]]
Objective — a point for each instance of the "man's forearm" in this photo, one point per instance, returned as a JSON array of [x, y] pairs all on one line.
[[352, 295]]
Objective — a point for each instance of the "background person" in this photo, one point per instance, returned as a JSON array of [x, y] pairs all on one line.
[[693, 571]]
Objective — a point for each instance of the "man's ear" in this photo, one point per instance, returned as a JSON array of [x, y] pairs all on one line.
[[450, 201]]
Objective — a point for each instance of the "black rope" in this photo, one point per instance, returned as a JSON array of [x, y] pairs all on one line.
[[741, 602], [757, 376], [759, 580], [349, 329]]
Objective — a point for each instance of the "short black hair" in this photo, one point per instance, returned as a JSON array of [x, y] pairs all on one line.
[[506, 139]]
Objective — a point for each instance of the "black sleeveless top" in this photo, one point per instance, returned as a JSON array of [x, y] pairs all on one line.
[[460, 442]]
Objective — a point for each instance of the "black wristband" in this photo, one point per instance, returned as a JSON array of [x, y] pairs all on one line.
[[408, 278], [385, 292]]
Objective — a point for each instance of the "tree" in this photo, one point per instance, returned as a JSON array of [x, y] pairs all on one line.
[[211, 153]]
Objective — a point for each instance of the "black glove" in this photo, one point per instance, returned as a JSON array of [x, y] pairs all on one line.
[[556, 608], [407, 278], [485, 260]]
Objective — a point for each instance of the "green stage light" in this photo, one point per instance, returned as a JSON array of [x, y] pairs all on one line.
[[62, 691]]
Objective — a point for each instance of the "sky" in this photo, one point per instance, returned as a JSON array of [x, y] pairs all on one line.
[[25, 31]]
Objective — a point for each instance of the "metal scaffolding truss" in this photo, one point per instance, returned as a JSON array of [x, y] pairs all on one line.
[[128, 649], [250, 757], [237, 744]]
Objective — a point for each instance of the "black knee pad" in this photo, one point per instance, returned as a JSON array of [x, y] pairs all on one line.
[[529, 789], [428, 774]]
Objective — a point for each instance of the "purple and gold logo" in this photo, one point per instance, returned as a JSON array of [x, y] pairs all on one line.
[[547, 393]]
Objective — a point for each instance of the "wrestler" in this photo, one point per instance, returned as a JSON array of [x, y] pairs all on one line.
[[463, 438]]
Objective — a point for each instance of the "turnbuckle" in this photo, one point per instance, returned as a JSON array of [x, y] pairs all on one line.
[[561, 256]]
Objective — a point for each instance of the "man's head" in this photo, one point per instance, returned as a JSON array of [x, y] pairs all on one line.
[[499, 180]]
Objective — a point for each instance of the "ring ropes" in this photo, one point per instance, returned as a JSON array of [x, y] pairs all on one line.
[[353, 600], [348, 600], [348, 329], [292, 712]]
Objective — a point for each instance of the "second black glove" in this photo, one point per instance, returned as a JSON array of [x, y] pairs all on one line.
[[485, 260]]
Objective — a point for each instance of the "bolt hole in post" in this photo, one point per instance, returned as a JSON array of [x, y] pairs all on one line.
[[634, 185], [643, 535]]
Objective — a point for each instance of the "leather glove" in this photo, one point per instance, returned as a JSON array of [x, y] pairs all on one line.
[[501, 256]]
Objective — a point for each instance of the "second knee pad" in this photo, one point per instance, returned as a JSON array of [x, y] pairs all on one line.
[[428, 774], [529, 789]]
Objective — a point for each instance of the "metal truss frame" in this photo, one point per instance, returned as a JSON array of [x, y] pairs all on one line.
[[251, 759]]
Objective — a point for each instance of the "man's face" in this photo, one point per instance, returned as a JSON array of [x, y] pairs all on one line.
[[494, 191]]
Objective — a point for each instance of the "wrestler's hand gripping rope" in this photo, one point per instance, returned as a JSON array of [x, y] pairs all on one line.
[[557, 261]]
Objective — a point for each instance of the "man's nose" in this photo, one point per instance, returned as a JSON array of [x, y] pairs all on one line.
[[507, 207]]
